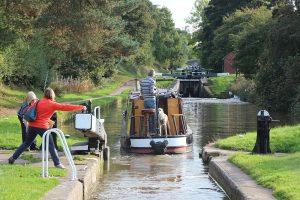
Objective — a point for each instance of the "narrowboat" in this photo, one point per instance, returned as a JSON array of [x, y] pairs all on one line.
[[172, 135]]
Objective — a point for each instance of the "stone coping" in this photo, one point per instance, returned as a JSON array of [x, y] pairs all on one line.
[[88, 173], [234, 181]]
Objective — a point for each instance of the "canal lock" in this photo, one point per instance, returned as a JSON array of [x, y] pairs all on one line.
[[194, 88]]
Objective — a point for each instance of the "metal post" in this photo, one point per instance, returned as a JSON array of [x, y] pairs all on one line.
[[262, 145]]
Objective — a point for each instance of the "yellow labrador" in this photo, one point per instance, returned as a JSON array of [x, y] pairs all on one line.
[[163, 122]]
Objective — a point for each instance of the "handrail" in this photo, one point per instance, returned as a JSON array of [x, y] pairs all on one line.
[[45, 152], [183, 123]]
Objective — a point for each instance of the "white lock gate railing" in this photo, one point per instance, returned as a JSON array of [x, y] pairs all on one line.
[[45, 152]]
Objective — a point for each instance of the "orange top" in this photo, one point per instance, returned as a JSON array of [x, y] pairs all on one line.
[[46, 108]]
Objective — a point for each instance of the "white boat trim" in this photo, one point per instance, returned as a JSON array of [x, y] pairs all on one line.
[[145, 142]]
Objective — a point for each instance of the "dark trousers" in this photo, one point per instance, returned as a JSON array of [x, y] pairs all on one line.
[[150, 103], [31, 135], [24, 134]]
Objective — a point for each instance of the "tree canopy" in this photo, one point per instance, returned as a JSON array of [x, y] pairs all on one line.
[[91, 39], [264, 36]]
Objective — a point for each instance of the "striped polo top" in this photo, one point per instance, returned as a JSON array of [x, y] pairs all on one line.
[[148, 88]]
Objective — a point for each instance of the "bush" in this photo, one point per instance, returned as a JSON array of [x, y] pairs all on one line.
[[71, 85], [58, 88], [245, 89], [26, 63]]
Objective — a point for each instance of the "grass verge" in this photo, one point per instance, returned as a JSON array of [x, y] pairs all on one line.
[[107, 88], [284, 139], [12, 98], [10, 134], [164, 83], [219, 85], [281, 174], [25, 182]]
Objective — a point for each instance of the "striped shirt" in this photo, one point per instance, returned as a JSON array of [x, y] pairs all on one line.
[[148, 88]]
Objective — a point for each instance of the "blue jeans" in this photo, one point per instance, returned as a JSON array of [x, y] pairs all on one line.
[[31, 135], [151, 104]]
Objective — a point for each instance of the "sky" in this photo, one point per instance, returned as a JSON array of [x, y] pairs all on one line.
[[180, 9]]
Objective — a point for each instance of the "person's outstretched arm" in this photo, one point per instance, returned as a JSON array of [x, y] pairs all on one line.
[[67, 107]]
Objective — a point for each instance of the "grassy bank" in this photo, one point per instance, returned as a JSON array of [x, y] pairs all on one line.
[[12, 98], [10, 130], [220, 85], [10, 134], [25, 182], [164, 83], [283, 139], [281, 174]]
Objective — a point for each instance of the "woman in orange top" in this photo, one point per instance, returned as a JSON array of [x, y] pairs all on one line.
[[45, 109]]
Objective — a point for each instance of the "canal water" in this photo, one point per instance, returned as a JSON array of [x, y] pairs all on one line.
[[174, 176]]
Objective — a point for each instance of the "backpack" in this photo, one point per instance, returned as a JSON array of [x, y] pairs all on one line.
[[22, 109], [30, 114]]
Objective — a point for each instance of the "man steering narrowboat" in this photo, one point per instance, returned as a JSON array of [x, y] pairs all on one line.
[[149, 91]]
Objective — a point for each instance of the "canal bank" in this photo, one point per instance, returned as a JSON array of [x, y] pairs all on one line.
[[11, 138], [279, 170], [89, 171], [234, 181]]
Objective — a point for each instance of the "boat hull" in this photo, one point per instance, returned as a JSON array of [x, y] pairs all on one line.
[[176, 144]]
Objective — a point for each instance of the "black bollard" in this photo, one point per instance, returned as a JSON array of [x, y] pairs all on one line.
[[262, 145]]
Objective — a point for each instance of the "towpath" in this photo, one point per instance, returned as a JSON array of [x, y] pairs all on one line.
[[127, 85]]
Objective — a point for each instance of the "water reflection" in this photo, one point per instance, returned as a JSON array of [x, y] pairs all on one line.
[[214, 118]]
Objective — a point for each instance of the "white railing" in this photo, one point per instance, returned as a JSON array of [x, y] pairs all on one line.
[[45, 152]]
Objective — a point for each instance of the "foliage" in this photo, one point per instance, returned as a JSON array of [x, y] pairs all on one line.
[[197, 14], [264, 36], [278, 76], [243, 33], [170, 45], [69, 85], [284, 139], [28, 62], [25, 182], [219, 85], [213, 18], [245, 89], [84, 39], [279, 173]]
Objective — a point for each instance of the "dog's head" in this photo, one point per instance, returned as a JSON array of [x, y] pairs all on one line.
[[160, 110]]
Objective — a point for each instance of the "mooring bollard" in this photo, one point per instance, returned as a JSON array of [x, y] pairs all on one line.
[[262, 145]]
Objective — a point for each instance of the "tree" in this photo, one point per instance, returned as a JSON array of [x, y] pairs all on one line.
[[90, 35], [278, 77], [170, 45], [243, 33], [140, 25], [197, 14], [214, 14]]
